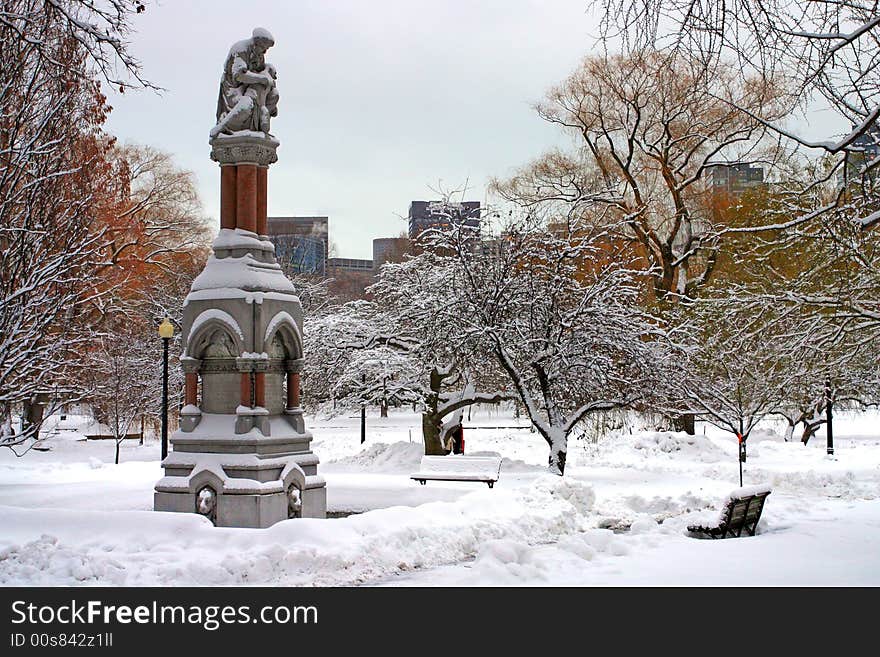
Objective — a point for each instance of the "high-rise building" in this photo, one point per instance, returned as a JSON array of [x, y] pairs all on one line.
[[439, 214], [734, 179], [300, 243]]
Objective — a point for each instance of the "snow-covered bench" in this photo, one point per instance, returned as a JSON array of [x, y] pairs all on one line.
[[459, 468], [741, 511]]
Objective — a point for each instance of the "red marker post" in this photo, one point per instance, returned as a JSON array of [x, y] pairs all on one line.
[[739, 439]]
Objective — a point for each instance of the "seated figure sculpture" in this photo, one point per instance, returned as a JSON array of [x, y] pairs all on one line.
[[248, 96]]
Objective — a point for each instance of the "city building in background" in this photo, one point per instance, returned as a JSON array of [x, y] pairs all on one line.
[[348, 264], [350, 277], [389, 249], [437, 214], [869, 143], [301, 243], [733, 179]]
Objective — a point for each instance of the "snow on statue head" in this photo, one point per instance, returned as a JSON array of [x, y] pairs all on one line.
[[294, 502], [263, 37], [248, 97], [206, 501]]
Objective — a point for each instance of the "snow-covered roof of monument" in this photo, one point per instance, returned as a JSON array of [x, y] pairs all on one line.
[[244, 273]]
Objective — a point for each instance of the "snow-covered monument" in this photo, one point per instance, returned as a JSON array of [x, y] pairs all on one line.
[[242, 454]]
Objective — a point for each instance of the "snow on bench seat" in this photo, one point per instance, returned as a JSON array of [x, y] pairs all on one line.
[[459, 468]]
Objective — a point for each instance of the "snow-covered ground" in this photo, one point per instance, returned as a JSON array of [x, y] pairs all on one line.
[[618, 517]]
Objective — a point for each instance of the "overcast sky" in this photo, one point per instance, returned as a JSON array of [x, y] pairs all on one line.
[[380, 99]]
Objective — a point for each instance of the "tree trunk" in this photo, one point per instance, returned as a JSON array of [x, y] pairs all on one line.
[[383, 408], [684, 422], [32, 415], [432, 425], [117, 452], [557, 460], [809, 431]]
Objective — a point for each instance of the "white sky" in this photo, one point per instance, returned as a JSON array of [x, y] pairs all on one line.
[[380, 99]]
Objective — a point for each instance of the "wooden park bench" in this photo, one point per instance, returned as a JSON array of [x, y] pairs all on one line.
[[741, 511], [459, 468]]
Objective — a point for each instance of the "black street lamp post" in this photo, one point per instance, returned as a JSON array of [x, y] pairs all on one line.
[[829, 402], [166, 332]]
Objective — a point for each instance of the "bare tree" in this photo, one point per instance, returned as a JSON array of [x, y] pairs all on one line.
[[558, 309], [398, 348], [742, 366], [123, 376], [829, 52], [648, 128], [54, 162], [49, 139]]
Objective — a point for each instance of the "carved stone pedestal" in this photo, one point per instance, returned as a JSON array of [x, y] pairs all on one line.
[[242, 455]]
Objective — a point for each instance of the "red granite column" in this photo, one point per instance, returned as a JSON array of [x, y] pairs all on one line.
[[260, 389], [246, 389], [192, 388], [262, 185], [227, 196], [246, 197], [293, 390]]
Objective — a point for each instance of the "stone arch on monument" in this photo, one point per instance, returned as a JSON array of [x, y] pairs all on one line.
[[214, 349], [282, 328], [213, 327]]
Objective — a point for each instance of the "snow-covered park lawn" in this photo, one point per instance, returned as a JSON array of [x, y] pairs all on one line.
[[617, 518]]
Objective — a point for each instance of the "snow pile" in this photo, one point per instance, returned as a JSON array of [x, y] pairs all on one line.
[[670, 444], [149, 549], [827, 484], [507, 562], [623, 512], [663, 507], [400, 457], [510, 465]]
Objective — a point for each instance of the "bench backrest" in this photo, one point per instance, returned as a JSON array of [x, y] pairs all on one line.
[[462, 464], [745, 509]]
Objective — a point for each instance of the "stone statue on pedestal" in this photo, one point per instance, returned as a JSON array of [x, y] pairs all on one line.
[[248, 96], [242, 456]]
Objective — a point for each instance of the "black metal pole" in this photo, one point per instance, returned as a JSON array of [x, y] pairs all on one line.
[[363, 416], [740, 463], [165, 397], [828, 418]]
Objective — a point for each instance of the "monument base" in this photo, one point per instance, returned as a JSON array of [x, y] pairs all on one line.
[[249, 511], [250, 480]]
